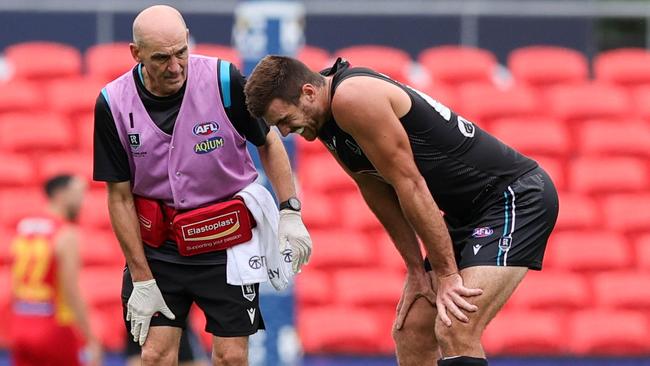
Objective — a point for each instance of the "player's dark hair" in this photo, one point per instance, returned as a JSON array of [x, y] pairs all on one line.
[[57, 183], [277, 77]]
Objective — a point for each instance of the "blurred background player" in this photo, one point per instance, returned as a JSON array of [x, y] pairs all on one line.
[[47, 305]]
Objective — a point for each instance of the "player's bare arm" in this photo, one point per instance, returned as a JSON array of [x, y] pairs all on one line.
[[127, 230], [368, 109], [275, 162]]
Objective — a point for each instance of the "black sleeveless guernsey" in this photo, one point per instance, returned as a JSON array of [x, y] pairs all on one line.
[[463, 165]]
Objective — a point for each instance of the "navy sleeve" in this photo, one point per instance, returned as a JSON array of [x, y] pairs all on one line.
[[253, 129], [110, 162]]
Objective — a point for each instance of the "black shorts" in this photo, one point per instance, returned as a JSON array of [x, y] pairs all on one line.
[[190, 348], [512, 228], [231, 311]]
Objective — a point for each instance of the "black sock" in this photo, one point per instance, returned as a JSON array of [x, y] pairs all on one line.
[[463, 361]]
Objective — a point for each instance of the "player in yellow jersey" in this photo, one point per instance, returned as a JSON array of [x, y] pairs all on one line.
[[47, 308]]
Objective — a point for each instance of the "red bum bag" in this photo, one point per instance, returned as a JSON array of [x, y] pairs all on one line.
[[207, 229]]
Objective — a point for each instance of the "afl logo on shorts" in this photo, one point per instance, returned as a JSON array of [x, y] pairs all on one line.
[[205, 128], [482, 232]]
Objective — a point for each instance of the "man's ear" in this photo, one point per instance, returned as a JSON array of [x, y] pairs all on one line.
[[135, 52], [309, 91]]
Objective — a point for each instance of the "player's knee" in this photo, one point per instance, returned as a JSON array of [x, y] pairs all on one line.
[[458, 336], [153, 356], [230, 357]]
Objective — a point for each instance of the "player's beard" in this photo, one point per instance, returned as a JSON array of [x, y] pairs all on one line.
[[72, 214]]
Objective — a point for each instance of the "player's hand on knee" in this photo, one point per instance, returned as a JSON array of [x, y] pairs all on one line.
[[294, 236], [452, 296], [418, 284], [145, 300]]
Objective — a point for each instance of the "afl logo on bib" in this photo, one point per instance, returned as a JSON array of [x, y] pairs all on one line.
[[205, 128]]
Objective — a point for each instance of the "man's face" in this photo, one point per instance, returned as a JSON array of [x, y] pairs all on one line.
[[165, 62], [289, 118]]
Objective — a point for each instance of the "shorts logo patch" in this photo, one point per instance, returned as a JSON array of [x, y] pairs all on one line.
[[476, 248], [134, 141], [251, 314], [248, 291], [205, 128], [208, 145], [505, 243], [482, 232]]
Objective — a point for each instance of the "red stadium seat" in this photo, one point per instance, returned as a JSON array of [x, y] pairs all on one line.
[[643, 252], [387, 60], [533, 135], [94, 212], [552, 290], [339, 330], [597, 175], [554, 167], [100, 248], [543, 66], [323, 174], [455, 65], [20, 96], [522, 332], [5, 307], [367, 287], [608, 332], [35, 132], [17, 203], [641, 99], [389, 257], [627, 212], [85, 92], [577, 211], [107, 322], [216, 50], [485, 103], [307, 149], [101, 286], [611, 137], [318, 211], [108, 61], [26, 60], [6, 238], [314, 57], [618, 290], [67, 163], [17, 170], [357, 214], [588, 251], [340, 248], [85, 126], [587, 101], [313, 287], [443, 94], [624, 66]]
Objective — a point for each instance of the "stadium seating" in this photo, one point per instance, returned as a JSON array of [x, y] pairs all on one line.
[[314, 57], [484, 103], [456, 65], [641, 101], [67, 163], [318, 211], [621, 174], [35, 132], [108, 61], [608, 332], [341, 248], [26, 60], [588, 251], [215, 50], [552, 290], [367, 287], [73, 97], [545, 66], [524, 332], [622, 290], [387, 60], [20, 96], [574, 103], [624, 66], [643, 253], [16, 203], [627, 212], [5, 298], [18, 170], [533, 135], [614, 137], [357, 215], [578, 211], [554, 167], [313, 287], [323, 174]]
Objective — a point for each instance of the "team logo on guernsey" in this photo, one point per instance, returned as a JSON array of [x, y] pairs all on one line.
[[134, 141], [205, 128], [209, 145], [482, 232]]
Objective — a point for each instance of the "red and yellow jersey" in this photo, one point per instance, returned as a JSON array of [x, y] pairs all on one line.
[[36, 288]]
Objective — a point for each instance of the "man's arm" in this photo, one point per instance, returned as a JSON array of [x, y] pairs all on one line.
[[275, 162], [67, 255], [124, 220], [365, 108]]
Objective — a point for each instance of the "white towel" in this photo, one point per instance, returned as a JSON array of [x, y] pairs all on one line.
[[259, 259]]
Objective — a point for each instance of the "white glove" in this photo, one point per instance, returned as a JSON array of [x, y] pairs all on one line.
[[294, 236], [144, 302]]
